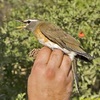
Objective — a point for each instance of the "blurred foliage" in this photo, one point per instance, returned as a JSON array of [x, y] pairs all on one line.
[[73, 16], [20, 96]]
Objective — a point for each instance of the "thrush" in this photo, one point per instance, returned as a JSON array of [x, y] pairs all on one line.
[[53, 36]]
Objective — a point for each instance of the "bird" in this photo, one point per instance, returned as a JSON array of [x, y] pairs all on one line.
[[52, 36]]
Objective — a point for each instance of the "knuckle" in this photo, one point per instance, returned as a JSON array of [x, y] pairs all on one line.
[[50, 73], [38, 67], [61, 78]]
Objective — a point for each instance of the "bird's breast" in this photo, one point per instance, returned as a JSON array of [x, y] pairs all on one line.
[[39, 35]]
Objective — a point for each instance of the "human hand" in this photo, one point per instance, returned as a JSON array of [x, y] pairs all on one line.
[[51, 76]]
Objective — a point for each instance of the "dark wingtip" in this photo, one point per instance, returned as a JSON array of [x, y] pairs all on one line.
[[86, 57], [89, 57]]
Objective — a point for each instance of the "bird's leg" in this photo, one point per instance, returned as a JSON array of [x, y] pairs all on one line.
[[33, 53]]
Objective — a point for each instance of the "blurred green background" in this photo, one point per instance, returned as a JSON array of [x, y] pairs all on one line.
[[73, 16]]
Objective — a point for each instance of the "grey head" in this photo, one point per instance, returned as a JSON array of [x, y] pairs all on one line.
[[31, 24]]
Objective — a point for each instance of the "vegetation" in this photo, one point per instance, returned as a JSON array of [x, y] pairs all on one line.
[[80, 18]]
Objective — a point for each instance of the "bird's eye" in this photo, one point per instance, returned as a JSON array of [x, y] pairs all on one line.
[[27, 21]]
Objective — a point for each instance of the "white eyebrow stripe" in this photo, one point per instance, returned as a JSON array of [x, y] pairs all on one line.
[[31, 20]]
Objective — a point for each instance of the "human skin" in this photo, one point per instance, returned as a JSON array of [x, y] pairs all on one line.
[[51, 76]]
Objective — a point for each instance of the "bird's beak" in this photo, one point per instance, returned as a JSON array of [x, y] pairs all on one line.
[[23, 26]]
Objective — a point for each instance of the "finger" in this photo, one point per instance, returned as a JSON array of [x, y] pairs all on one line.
[[70, 77], [55, 59], [43, 56], [69, 83], [66, 65]]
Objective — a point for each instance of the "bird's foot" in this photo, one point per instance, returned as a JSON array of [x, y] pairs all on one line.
[[33, 53]]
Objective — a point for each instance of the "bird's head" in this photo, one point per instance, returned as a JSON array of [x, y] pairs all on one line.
[[30, 24]]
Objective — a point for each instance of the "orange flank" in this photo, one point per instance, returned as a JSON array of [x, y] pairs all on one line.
[[39, 35]]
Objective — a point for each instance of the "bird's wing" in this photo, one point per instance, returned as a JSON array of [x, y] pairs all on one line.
[[58, 36]]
